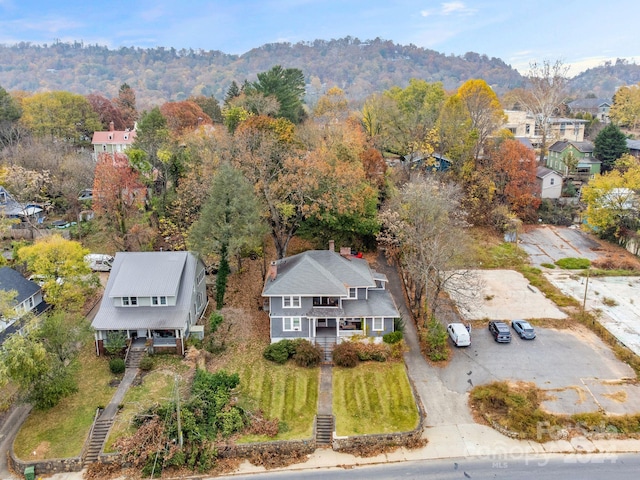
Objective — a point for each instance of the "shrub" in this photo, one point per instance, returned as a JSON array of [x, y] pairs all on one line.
[[307, 354], [436, 341], [345, 355], [279, 352], [147, 363], [398, 324], [371, 351], [393, 337], [398, 350], [117, 366], [215, 320], [571, 263], [116, 342]]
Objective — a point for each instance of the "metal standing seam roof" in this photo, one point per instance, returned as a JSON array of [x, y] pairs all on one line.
[[110, 317], [143, 274], [318, 272], [10, 279]]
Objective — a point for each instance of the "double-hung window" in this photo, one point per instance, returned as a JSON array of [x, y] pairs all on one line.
[[353, 293], [291, 301], [158, 301], [129, 301], [378, 324], [292, 324]]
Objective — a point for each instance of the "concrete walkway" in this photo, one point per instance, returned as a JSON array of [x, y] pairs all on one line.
[[325, 394]]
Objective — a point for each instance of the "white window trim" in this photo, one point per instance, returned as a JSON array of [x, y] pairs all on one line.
[[292, 321], [355, 295], [373, 324], [131, 301], [294, 301], [158, 301]]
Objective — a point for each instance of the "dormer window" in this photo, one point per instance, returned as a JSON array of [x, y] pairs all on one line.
[[158, 301], [353, 293], [129, 301]]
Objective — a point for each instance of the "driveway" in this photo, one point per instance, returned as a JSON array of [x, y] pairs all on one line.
[[578, 370], [548, 243]]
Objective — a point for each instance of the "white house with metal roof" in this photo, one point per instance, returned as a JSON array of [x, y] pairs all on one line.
[[157, 296], [325, 296]]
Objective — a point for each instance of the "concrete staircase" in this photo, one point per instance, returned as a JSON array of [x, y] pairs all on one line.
[[327, 344], [324, 430], [134, 357], [98, 437]]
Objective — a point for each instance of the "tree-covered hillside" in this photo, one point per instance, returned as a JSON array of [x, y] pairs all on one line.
[[162, 74]]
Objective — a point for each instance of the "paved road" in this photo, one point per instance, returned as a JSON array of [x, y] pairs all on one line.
[[8, 430]]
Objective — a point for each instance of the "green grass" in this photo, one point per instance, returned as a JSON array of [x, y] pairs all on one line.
[[538, 280], [502, 255], [548, 265], [373, 398], [599, 272], [571, 263], [61, 431], [156, 387], [286, 392]]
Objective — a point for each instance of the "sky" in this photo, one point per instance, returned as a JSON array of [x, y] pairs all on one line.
[[581, 34]]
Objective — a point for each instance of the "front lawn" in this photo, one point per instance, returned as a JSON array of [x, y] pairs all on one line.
[[61, 431], [286, 392], [373, 398]]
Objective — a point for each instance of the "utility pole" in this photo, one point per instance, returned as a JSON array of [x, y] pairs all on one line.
[[586, 286]]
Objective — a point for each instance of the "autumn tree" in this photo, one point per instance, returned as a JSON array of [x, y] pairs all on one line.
[[625, 110], [287, 86], [332, 106], [107, 112], [610, 145], [67, 278], [513, 169], [61, 116], [126, 103], [456, 138], [611, 199], [424, 231], [183, 116], [209, 105], [546, 90], [485, 111], [118, 192]]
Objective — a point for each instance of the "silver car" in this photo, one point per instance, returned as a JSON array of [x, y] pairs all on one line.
[[524, 329]]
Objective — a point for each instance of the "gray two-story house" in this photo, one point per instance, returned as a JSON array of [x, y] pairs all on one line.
[[156, 296], [322, 295]]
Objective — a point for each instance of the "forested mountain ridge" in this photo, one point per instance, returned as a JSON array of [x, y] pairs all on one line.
[[360, 68]]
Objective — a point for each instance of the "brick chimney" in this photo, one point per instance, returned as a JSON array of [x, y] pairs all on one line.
[[345, 251], [332, 245], [112, 126], [273, 271]]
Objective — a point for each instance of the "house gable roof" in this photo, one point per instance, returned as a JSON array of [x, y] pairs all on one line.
[[587, 103], [633, 144], [319, 273], [561, 145], [114, 137], [164, 265], [12, 280], [143, 274], [542, 172]]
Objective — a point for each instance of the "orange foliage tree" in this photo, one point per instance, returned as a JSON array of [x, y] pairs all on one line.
[[184, 116], [118, 192], [513, 167]]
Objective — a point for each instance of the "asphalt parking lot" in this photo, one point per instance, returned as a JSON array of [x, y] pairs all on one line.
[[579, 372]]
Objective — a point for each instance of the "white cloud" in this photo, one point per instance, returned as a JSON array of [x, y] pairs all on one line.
[[456, 7]]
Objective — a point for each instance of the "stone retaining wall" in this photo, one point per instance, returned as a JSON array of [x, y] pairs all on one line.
[[45, 467]]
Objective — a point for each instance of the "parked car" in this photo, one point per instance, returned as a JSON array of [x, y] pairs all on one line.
[[524, 329], [500, 331], [459, 334], [99, 262]]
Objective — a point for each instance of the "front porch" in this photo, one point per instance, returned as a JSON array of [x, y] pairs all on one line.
[[156, 340]]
